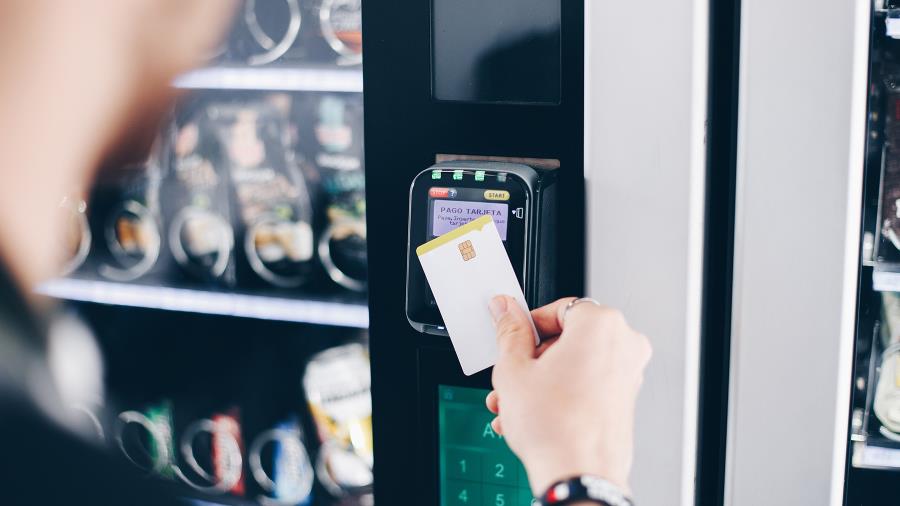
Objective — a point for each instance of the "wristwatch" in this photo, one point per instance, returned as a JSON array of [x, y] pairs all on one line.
[[584, 488]]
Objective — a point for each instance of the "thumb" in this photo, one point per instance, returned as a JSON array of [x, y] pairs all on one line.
[[515, 335]]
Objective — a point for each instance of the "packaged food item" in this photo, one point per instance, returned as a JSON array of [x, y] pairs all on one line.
[[344, 472], [887, 387], [343, 246], [335, 131], [275, 214], [341, 25], [196, 196], [145, 438], [76, 243], [889, 210], [227, 451], [127, 207], [334, 143], [290, 476], [211, 458], [269, 29], [337, 382], [887, 390]]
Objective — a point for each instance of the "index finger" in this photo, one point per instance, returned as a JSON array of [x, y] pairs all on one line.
[[547, 318]]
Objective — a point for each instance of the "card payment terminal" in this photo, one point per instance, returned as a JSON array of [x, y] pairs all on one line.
[[519, 198]]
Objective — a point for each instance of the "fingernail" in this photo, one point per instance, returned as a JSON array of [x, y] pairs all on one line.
[[497, 307]]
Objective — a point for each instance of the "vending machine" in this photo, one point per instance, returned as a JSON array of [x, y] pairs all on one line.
[[224, 275], [813, 365]]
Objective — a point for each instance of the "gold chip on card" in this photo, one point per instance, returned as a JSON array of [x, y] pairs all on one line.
[[467, 250]]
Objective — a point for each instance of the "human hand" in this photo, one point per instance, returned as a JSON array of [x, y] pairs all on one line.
[[566, 408]]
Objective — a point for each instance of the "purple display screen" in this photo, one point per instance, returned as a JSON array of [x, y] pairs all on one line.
[[450, 214]]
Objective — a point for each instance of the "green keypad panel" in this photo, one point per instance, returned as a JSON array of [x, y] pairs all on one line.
[[476, 467]]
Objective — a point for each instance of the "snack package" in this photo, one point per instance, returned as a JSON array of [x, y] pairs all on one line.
[[887, 387], [127, 211], [340, 22], [197, 200], [211, 454], [334, 144], [280, 465], [343, 247], [889, 211], [274, 207], [337, 384], [146, 438]]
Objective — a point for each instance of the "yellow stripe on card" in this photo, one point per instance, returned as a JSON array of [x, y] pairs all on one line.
[[453, 234]]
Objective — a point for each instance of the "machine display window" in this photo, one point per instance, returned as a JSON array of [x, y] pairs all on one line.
[[476, 466]]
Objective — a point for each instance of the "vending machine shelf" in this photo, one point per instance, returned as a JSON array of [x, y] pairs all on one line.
[[314, 309], [293, 78], [872, 455], [885, 280]]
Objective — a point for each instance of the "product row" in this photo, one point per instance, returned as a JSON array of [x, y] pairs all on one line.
[[289, 32], [242, 190], [217, 448], [883, 150]]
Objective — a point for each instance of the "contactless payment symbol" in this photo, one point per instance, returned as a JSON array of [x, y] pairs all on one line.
[[466, 250]]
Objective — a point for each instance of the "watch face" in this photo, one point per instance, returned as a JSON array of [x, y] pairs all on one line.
[[445, 200]]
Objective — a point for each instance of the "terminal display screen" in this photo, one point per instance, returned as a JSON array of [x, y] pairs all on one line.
[[451, 208], [477, 468]]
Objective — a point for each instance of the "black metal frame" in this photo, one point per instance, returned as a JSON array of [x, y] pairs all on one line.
[[718, 266]]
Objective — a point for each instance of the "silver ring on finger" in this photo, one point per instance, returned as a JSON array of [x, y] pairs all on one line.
[[575, 302]]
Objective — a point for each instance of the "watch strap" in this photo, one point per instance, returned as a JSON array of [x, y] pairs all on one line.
[[584, 488]]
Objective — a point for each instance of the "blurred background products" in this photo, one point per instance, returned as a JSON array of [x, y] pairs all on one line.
[[76, 241], [285, 32], [338, 389], [224, 277], [255, 191], [274, 207], [887, 389], [281, 420], [201, 238], [126, 215]]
